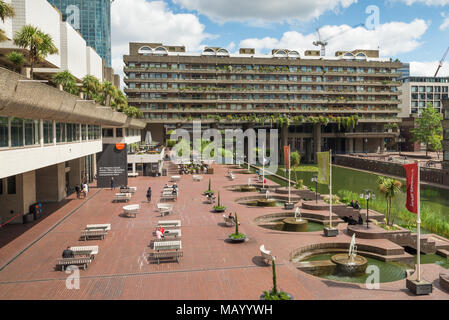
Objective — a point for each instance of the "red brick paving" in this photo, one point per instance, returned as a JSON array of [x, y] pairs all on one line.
[[210, 269]]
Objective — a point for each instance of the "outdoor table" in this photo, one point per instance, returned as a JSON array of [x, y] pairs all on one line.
[[105, 227], [167, 245], [173, 223], [131, 209]]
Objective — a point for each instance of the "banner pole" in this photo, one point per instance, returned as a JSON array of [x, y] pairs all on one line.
[[263, 166], [330, 188], [289, 173], [418, 222]]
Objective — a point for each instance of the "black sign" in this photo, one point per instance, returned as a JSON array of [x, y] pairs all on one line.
[[112, 163]]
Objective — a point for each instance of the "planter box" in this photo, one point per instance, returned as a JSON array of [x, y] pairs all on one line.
[[328, 232], [419, 288]]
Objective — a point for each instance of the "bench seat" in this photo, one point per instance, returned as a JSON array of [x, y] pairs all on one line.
[[93, 233], [161, 255], [63, 262]]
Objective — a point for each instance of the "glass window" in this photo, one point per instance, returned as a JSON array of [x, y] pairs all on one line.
[[108, 132], [12, 185], [60, 132], [16, 132], [84, 132], [119, 132], [3, 132], [1, 186], [71, 132], [446, 155], [31, 132], [48, 131]]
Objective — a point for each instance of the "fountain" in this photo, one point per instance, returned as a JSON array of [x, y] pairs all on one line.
[[295, 224], [249, 187], [351, 263], [266, 202]]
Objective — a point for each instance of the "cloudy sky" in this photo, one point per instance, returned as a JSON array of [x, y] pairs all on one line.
[[415, 31]]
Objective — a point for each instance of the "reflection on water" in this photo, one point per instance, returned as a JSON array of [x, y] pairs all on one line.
[[311, 226]]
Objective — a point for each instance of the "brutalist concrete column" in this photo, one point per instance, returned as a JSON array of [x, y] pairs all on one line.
[[284, 141], [50, 183], [317, 137], [308, 143]]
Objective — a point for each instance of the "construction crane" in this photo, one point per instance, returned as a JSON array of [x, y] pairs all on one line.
[[324, 43], [441, 62]]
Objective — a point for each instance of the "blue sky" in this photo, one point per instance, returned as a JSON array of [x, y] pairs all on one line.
[[414, 31]]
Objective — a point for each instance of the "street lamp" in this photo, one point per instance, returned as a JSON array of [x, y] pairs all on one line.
[[315, 179], [367, 195], [400, 140]]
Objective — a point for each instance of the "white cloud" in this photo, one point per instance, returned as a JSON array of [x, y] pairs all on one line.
[[140, 20], [445, 23], [426, 2], [428, 68], [261, 11], [393, 38]]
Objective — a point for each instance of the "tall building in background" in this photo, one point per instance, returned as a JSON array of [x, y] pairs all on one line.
[[92, 18]]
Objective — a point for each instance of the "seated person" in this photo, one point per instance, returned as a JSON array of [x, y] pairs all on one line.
[[357, 205], [232, 217], [67, 253], [360, 219], [159, 233], [352, 203]]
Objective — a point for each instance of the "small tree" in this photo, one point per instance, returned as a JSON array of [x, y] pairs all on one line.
[[295, 161], [91, 87], [67, 81], [236, 224], [390, 188], [38, 44], [17, 58], [429, 128], [6, 11]]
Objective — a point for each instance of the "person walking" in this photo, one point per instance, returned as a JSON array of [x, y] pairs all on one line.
[[86, 190], [112, 183], [149, 194]]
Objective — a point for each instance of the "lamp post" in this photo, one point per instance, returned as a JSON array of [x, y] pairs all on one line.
[[367, 195], [400, 140], [315, 179]]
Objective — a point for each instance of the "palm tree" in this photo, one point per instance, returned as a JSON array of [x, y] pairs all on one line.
[[67, 81], [6, 11], [390, 188], [133, 112], [17, 58], [38, 44], [91, 87], [120, 102], [109, 92]]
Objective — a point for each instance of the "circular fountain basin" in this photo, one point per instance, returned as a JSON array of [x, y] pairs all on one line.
[[248, 189], [266, 202], [347, 266], [295, 225]]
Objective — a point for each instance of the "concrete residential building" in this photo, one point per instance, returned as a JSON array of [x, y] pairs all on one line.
[[92, 18], [417, 92], [445, 141], [49, 145], [172, 87]]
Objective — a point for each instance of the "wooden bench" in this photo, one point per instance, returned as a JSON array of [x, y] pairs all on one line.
[[166, 255], [131, 174], [266, 255], [93, 233], [197, 178], [131, 210], [228, 221], [63, 262], [128, 190]]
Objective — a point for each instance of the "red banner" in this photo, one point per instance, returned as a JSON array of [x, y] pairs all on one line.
[[287, 157], [412, 187]]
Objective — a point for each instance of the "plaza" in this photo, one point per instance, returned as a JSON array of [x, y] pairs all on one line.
[[211, 267]]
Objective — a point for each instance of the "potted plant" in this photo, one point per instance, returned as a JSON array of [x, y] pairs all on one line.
[[237, 237], [219, 207], [209, 191], [274, 294]]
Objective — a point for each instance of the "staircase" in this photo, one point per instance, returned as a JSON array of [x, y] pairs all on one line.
[[172, 169]]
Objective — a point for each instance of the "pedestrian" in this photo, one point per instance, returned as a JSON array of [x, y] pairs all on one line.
[[112, 183], [78, 191], [85, 189], [149, 194]]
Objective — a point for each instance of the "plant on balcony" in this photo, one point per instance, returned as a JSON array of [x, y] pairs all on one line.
[[237, 236], [209, 190], [219, 207], [38, 44], [274, 294], [17, 58], [6, 11], [67, 81]]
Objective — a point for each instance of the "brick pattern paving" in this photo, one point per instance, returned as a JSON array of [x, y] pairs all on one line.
[[211, 268]]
